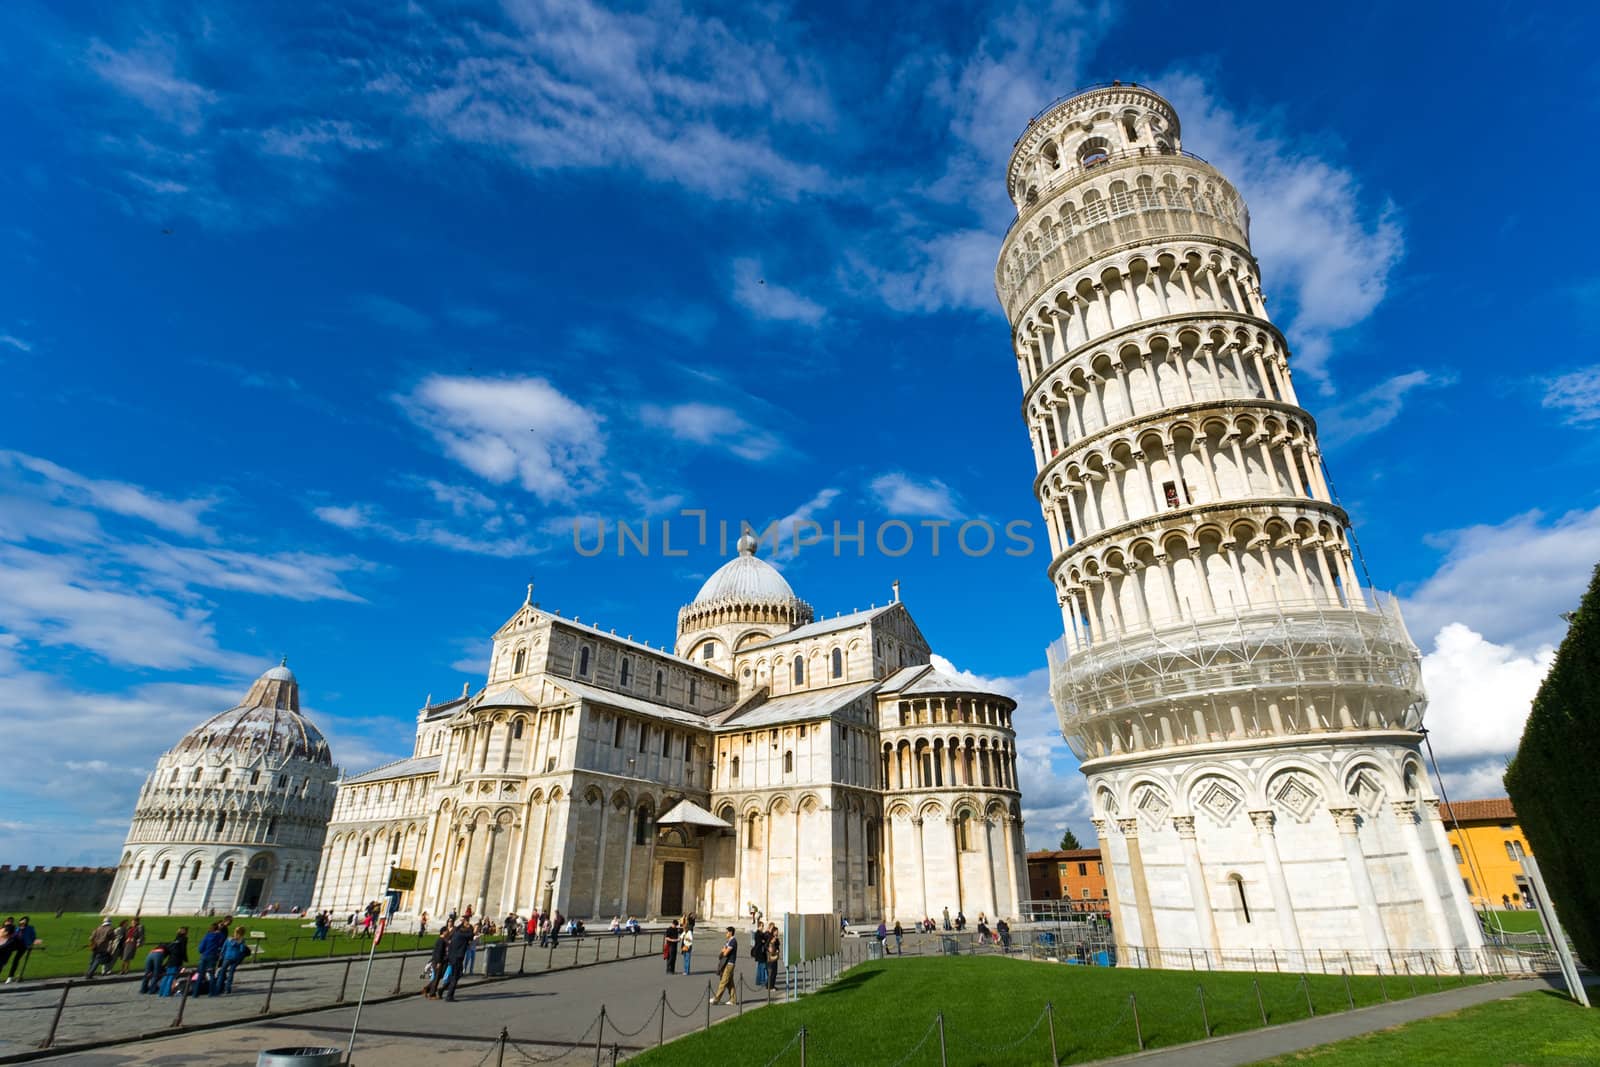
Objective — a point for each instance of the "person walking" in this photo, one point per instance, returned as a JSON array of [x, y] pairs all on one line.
[[726, 960], [774, 955], [132, 941], [23, 938], [686, 949], [472, 948], [758, 952], [234, 952], [899, 934], [881, 934], [100, 943], [1002, 929], [210, 952], [669, 946], [456, 957], [437, 962]]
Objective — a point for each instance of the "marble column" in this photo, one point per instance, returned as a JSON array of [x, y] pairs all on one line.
[[1405, 813], [1204, 917], [1141, 890], [1282, 905], [1458, 891], [1348, 820]]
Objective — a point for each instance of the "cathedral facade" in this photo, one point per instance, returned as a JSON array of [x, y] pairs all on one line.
[[770, 759]]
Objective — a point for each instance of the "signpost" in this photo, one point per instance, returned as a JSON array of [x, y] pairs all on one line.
[[401, 879]]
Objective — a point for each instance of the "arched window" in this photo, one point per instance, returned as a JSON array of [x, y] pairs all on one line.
[[838, 663], [195, 873], [1244, 901], [222, 822], [964, 831], [799, 671], [227, 871], [196, 777], [661, 683], [583, 660], [733, 769], [138, 874], [516, 730], [708, 650], [641, 826], [751, 838], [272, 827], [366, 845], [165, 866], [255, 777], [694, 690], [788, 763], [223, 777], [626, 673], [519, 661]]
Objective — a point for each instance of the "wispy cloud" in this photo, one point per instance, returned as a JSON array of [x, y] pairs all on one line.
[[513, 430], [713, 425], [492, 534], [768, 300], [149, 73], [1576, 396], [122, 498], [900, 494], [1377, 407], [13, 341]]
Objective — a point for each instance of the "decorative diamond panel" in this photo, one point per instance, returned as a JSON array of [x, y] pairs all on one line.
[[1366, 791], [1295, 796], [1152, 804], [1218, 801]]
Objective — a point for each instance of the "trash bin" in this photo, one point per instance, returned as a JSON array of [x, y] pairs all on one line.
[[874, 949], [494, 959], [950, 946], [300, 1057]]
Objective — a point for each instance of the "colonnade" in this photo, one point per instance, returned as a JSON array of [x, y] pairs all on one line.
[[936, 762]]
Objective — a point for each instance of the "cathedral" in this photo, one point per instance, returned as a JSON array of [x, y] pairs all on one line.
[[771, 759]]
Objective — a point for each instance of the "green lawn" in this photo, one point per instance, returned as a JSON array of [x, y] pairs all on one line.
[[1515, 922], [62, 949], [1532, 1030], [993, 1013]]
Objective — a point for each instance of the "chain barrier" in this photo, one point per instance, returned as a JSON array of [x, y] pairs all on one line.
[[784, 1051], [693, 1008], [620, 1032], [927, 1036], [529, 1057], [993, 1049]]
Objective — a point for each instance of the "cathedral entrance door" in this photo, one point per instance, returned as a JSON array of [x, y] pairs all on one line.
[[251, 897], [672, 888]]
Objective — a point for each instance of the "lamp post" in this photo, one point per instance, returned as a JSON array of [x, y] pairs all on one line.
[[550, 890]]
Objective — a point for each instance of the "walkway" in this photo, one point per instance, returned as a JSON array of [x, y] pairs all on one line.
[[1256, 1045], [550, 1016]]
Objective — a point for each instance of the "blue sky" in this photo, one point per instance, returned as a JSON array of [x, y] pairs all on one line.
[[320, 324]]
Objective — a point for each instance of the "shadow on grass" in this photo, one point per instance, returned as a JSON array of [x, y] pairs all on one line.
[[849, 983]]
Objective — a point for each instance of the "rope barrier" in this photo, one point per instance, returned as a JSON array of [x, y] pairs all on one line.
[[784, 1051], [926, 1037], [998, 1048]]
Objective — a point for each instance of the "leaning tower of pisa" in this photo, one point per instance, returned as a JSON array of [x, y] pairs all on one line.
[[1246, 711]]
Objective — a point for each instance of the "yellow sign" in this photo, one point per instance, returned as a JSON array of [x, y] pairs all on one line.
[[402, 878]]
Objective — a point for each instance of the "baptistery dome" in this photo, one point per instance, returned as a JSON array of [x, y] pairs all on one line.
[[233, 816]]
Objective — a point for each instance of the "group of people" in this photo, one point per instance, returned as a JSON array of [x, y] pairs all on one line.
[[16, 941], [455, 953], [218, 956], [114, 946]]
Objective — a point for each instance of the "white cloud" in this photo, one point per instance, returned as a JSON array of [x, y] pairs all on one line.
[[317, 139], [1576, 396], [504, 538], [13, 341], [178, 516], [1479, 693], [713, 425], [782, 531], [767, 299], [1509, 582], [505, 430], [148, 72], [900, 494], [1316, 240], [302, 576], [945, 271], [1377, 406]]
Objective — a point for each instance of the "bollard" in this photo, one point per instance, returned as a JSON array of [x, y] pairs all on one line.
[[500, 1052], [400, 974], [661, 1027], [618, 955], [1410, 979], [1323, 956], [802, 1047], [1260, 1004], [597, 950], [1349, 964], [344, 981], [1306, 986], [708, 1005], [523, 962], [1275, 966], [550, 964], [271, 983], [1138, 1031], [1349, 996], [294, 946], [1381, 988], [1050, 1023], [943, 1062], [1205, 1020], [1192, 967], [599, 1035], [1437, 981], [331, 941], [614, 1051], [55, 1020], [183, 999]]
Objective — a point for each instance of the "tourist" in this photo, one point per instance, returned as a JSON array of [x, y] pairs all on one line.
[[881, 934], [947, 918], [899, 933], [21, 942], [437, 964], [774, 955], [210, 953], [758, 952], [961, 919], [132, 939], [726, 960], [688, 921], [616, 925], [632, 925], [165, 959], [234, 952], [669, 946], [983, 930], [555, 929], [460, 944], [685, 948], [1002, 930], [100, 950]]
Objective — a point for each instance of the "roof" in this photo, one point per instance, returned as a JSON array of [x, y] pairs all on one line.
[[746, 578], [505, 696], [796, 707], [1498, 809], [927, 678], [267, 723], [688, 813], [1050, 855], [826, 626], [400, 768], [598, 695]]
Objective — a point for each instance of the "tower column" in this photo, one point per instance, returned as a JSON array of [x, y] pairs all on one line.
[[1204, 917], [1348, 821], [1141, 890], [1405, 813]]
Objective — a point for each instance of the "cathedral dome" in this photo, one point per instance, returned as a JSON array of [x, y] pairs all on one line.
[[266, 724], [746, 577]]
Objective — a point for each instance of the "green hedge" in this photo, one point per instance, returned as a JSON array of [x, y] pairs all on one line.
[[1554, 779]]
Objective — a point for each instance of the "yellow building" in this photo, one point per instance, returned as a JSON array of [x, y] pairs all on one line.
[[1488, 846]]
